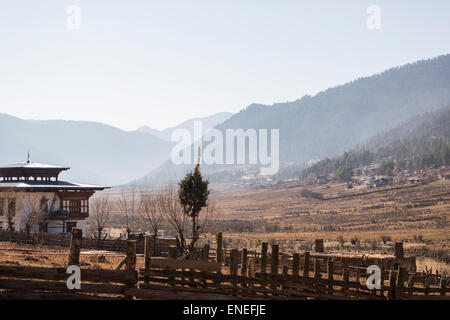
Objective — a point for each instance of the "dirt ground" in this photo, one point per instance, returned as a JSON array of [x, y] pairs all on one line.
[[53, 256]]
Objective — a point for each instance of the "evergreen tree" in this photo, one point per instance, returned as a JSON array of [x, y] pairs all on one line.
[[193, 195]]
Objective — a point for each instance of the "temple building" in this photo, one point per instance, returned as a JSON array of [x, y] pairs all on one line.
[[33, 199]]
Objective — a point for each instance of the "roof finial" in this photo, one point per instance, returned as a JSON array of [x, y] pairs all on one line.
[[28, 156]]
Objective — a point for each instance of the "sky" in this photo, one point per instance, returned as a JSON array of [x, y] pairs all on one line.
[[157, 63]]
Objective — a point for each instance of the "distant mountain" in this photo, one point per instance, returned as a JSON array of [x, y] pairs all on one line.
[[97, 153], [207, 122], [417, 143], [338, 119]]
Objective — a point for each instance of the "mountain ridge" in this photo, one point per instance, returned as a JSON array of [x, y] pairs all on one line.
[[97, 153], [207, 122], [341, 117]]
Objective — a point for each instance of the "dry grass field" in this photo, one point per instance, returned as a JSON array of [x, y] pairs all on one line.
[[359, 219]]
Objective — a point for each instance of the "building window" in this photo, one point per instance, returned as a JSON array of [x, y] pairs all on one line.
[[11, 207], [76, 206], [2, 207], [84, 206], [70, 226]]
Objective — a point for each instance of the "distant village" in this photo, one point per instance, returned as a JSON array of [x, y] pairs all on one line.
[[367, 176]]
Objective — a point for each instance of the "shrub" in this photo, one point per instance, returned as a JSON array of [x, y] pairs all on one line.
[[385, 239], [306, 193]]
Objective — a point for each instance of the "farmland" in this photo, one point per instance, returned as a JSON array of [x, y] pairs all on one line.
[[360, 219]]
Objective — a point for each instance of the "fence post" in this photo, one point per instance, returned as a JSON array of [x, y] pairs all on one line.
[[330, 271], [443, 286], [264, 257], [130, 259], [316, 268], [75, 247], [172, 252], [392, 282], [381, 280], [346, 278], [131, 255], [219, 247], [401, 278], [306, 265], [358, 274], [251, 268], [319, 245], [402, 275], [205, 252], [399, 253], [244, 262], [233, 262], [147, 252], [295, 263], [411, 281], [285, 269], [274, 263], [146, 256]]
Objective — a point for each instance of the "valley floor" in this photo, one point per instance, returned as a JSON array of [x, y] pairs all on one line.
[[360, 219]]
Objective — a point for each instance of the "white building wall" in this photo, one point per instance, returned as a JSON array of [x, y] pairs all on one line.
[[81, 224], [55, 226], [26, 201]]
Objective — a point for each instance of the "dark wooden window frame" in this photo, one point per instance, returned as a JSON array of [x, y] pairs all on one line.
[[2, 207]]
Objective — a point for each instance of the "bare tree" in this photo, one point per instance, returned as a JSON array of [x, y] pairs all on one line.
[[150, 207], [128, 205], [10, 201], [170, 206], [207, 215], [173, 212], [33, 211], [100, 213]]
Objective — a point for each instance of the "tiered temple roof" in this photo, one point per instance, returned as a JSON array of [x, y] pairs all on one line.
[[31, 175]]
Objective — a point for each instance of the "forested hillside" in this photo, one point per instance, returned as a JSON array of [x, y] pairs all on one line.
[[421, 142]]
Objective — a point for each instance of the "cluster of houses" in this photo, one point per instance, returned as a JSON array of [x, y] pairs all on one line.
[[255, 180], [368, 177], [369, 180], [375, 181]]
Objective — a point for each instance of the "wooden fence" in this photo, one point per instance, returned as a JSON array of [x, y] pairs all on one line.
[[162, 244], [20, 282], [171, 278]]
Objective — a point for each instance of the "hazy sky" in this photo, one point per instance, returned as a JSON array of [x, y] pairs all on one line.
[[157, 63]]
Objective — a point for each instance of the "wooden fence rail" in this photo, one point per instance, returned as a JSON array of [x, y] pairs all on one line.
[[162, 244], [171, 278]]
